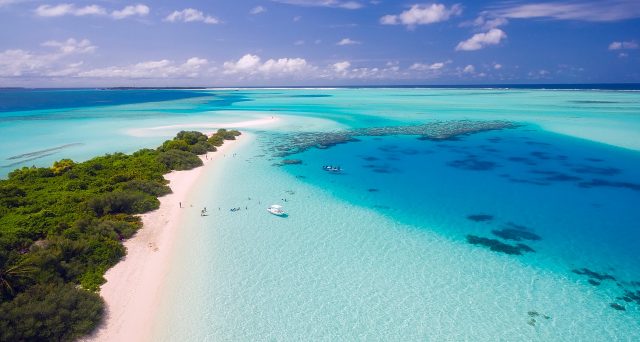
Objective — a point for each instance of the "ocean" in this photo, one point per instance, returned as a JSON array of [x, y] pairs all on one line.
[[527, 232]]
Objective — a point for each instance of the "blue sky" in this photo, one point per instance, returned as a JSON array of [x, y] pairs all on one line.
[[317, 42]]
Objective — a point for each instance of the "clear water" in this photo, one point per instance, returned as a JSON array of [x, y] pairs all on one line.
[[380, 251]]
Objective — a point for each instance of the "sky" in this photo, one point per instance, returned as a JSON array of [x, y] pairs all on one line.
[[77, 43]]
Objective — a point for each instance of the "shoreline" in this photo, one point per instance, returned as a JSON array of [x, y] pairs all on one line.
[[133, 285]]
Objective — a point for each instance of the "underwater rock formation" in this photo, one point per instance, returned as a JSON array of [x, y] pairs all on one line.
[[291, 162], [289, 144], [499, 246], [515, 234], [480, 217], [617, 307], [593, 275]]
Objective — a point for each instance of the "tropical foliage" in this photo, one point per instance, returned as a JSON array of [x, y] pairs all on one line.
[[62, 227]]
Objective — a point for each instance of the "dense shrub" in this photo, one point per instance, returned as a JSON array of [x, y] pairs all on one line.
[[148, 187], [216, 140], [126, 202], [62, 227], [50, 313], [179, 160], [228, 135]]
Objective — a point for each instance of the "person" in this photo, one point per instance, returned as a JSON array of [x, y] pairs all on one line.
[[180, 204]]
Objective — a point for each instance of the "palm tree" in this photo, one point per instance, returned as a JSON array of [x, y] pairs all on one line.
[[11, 274]]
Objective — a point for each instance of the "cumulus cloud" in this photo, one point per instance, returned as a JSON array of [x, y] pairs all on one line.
[[352, 5], [630, 45], [257, 10], [428, 67], [497, 66], [191, 15], [17, 62], [348, 41], [480, 40], [341, 67], [91, 10], [71, 46], [164, 68], [252, 65], [420, 14], [69, 9], [486, 21], [129, 11], [592, 10], [469, 69]]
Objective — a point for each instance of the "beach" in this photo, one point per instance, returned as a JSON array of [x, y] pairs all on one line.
[[131, 290]]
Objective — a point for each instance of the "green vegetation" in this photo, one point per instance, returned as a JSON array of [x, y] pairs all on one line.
[[62, 227]]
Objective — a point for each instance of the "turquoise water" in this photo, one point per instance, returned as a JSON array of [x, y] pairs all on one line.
[[381, 251]]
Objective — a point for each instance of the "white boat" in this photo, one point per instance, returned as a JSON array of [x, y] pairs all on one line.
[[276, 210]]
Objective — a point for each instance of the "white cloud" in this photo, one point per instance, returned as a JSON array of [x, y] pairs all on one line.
[[190, 15], [421, 14], [480, 40], [298, 42], [630, 45], [92, 10], [283, 66], [428, 67], [17, 62], [69, 9], [129, 11], [191, 68], [252, 65], [592, 10], [469, 69], [341, 67], [257, 10], [348, 41], [486, 21], [352, 5], [497, 66], [71, 46]]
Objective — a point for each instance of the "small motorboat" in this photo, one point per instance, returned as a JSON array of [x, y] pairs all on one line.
[[276, 210], [331, 168]]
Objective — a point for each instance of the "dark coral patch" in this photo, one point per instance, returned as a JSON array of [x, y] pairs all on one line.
[[604, 183], [556, 176], [593, 282], [604, 171], [480, 217], [473, 164], [498, 246], [617, 307], [373, 190], [370, 158], [593, 275], [515, 234]]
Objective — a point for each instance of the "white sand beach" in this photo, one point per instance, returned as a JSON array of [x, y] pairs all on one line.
[[132, 287]]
